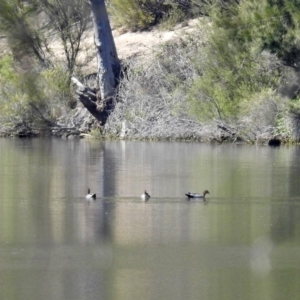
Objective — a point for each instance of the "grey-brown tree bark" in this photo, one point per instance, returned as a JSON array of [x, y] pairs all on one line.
[[108, 62], [101, 103]]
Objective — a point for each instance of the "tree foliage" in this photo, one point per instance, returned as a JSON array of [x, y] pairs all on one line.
[[272, 25], [69, 20], [17, 23], [242, 41], [34, 100], [31, 26], [141, 14], [279, 30]]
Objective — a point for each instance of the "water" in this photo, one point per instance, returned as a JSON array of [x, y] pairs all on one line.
[[242, 243]]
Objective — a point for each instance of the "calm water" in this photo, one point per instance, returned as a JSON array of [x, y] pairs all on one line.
[[243, 243]]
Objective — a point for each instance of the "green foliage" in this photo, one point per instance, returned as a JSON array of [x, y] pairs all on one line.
[[69, 19], [141, 14], [18, 23], [228, 72], [233, 69], [133, 14], [29, 28], [7, 71], [270, 24], [282, 128], [33, 91], [294, 106], [175, 16], [36, 100], [283, 34], [57, 81]]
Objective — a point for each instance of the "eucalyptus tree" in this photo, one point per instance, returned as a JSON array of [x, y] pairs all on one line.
[[100, 103], [30, 27], [68, 20], [23, 38]]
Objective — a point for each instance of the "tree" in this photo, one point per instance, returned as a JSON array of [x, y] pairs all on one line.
[[69, 20], [31, 26], [100, 103], [22, 37], [108, 62], [277, 28], [273, 25], [235, 68]]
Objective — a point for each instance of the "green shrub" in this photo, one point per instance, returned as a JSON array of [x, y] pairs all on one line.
[[233, 69], [132, 14], [7, 71], [219, 76], [34, 99], [141, 14], [175, 16]]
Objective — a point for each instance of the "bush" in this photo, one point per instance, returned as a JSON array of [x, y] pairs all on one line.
[[133, 14], [233, 69], [200, 79], [141, 14], [152, 98], [34, 100]]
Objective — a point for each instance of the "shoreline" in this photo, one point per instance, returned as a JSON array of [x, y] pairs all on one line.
[[70, 134]]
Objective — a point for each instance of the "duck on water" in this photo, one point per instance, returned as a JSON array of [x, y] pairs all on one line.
[[90, 196], [196, 195], [145, 196]]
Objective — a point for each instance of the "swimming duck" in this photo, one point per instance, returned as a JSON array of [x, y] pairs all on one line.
[[145, 196], [90, 196], [195, 195]]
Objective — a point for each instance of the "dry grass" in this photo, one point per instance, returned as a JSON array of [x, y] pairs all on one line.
[[153, 103], [152, 99]]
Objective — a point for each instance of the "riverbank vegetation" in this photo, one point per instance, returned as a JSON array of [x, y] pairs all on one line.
[[235, 77]]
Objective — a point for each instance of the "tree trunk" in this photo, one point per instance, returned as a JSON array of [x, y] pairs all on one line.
[[100, 104], [108, 62]]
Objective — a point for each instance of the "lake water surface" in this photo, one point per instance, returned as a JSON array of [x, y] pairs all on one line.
[[242, 243]]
